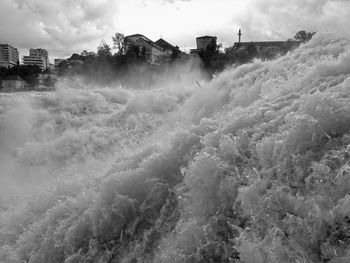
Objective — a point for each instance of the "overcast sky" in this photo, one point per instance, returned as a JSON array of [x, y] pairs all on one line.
[[67, 26]]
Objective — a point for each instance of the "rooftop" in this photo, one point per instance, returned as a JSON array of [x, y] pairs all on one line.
[[265, 42], [164, 44], [206, 37], [139, 35], [135, 35], [145, 39], [8, 45]]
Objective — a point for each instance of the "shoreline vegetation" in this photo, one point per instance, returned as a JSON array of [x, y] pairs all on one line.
[[127, 65]]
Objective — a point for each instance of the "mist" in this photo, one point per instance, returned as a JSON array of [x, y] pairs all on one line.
[[251, 166]]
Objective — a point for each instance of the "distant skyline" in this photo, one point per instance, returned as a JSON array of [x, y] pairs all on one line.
[[64, 27]]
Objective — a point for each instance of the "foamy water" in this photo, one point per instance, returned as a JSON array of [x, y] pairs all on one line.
[[252, 167]]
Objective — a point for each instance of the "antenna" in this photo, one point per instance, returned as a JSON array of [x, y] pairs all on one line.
[[239, 35]]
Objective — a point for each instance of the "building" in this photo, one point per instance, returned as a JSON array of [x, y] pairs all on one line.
[[9, 56], [144, 47], [38, 57], [203, 43], [167, 47], [36, 61], [260, 45], [14, 82], [169, 50], [40, 52], [267, 49]]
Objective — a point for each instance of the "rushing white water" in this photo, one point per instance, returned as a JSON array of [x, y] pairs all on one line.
[[252, 167]]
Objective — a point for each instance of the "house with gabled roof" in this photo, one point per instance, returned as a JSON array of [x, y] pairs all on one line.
[[170, 50], [167, 47], [145, 47]]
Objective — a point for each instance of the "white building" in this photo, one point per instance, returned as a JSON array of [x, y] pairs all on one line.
[[38, 57], [8, 56], [40, 52], [36, 61]]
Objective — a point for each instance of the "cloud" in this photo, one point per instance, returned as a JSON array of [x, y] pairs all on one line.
[[60, 26], [275, 19], [66, 26], [173, 1]]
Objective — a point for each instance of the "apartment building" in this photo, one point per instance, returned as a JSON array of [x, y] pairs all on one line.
[[9, 56], [40, 52], [38, 57], [36, 61]]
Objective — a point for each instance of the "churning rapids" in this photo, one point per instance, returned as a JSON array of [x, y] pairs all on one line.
[[253, 167]]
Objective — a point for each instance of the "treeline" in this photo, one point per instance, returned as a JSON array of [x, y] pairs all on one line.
[[129, 66], [109, 64]]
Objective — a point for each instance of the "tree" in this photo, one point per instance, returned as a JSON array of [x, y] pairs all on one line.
[[133, 52], [176, 53], [143, 53], [118, 43], [28, 72], [303, 36], [104, 50], [62, 67], [87, 55], [74, 56], [213, 48]]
